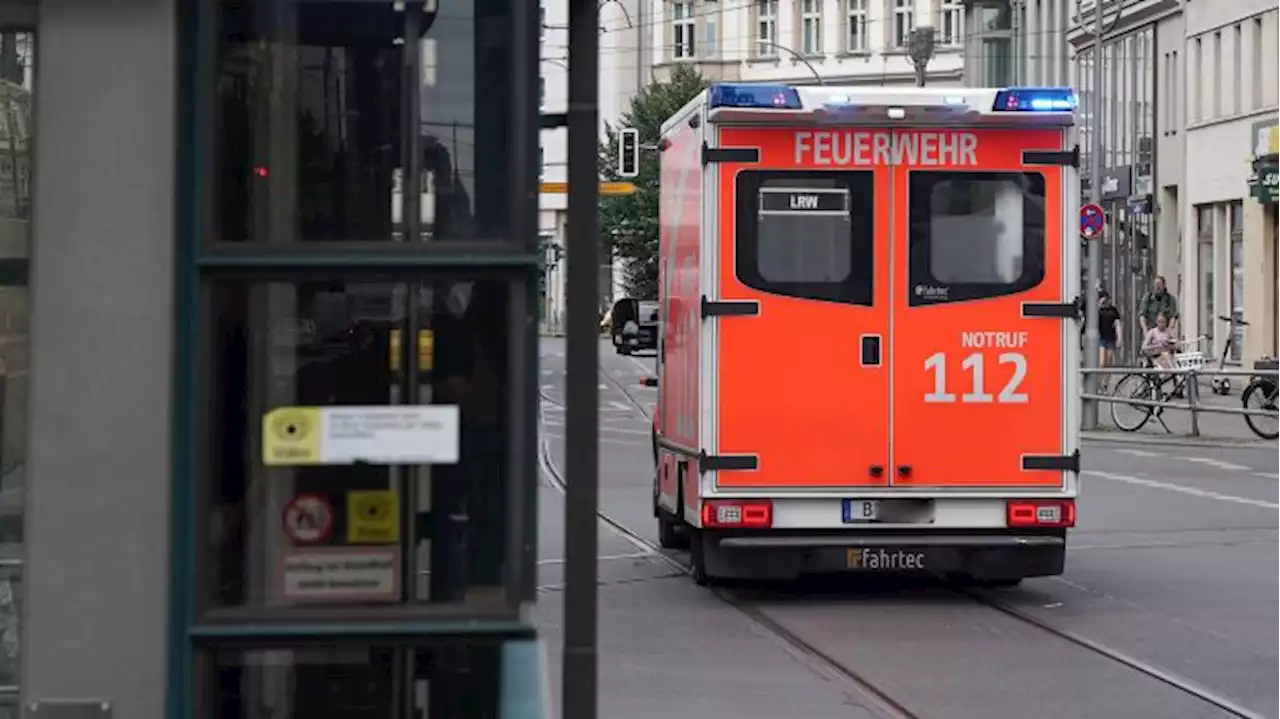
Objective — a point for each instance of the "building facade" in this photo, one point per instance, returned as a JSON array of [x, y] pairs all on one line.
[[1230, 84], [222, 221], [624, 70], [1017, 42], [855, 42]]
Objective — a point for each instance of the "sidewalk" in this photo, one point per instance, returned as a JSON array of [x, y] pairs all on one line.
[[1215, 428]]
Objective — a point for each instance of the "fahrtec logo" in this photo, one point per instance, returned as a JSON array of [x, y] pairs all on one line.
[[884, 560], [931, 292]]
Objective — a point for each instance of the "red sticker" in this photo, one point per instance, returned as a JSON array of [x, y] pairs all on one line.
[[308, 519]]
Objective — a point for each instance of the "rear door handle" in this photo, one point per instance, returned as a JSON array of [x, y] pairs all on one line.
[[870, 351]]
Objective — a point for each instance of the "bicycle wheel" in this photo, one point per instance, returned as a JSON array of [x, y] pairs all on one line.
[[1130, 417], [1261, 395]]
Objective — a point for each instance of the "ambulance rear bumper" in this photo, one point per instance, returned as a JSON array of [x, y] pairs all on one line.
[[993, 556]]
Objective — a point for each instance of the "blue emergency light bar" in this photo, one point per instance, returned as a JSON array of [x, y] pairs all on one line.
[[774, 97], [1035, 99]]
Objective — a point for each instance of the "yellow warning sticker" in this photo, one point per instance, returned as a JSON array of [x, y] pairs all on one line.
[[373, 517], [291, 436]]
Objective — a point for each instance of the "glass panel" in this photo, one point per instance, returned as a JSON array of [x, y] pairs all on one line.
[[353, 682], [310, 143], [17, 75], [807, 234], [974, 235], [362, 532]]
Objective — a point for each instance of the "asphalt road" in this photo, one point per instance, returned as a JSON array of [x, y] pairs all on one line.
[[1172, 569]]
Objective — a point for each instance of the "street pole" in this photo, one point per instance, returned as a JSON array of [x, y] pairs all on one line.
[[578, 684], [1093, 245]]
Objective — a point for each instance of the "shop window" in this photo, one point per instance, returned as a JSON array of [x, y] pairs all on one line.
[[1204, 240], [329, 480], [310, 102], [17, 54], [807, 234], [975, 235]]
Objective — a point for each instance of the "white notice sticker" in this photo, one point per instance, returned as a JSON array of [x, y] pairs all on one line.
[[341, 575], [398, 434]]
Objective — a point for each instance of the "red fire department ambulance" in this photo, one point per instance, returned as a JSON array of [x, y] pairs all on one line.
[[870, 341]]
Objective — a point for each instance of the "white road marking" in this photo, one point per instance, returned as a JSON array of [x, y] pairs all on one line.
[[643, 367], [602, 558], [1193, 491], [1267, 475], [605, 440], [1214, 462], [1138, 452], [617, 430]]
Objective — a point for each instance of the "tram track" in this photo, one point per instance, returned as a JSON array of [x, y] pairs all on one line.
[[875, 698]]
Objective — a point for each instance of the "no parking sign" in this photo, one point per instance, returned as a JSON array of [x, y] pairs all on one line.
[[1092, 221]]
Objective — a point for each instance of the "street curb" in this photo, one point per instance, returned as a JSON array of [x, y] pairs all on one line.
[[1218, 442]]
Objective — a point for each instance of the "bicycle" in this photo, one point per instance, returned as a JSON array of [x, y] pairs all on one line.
[[1222, 384], [1261, 391], [1151, 387]]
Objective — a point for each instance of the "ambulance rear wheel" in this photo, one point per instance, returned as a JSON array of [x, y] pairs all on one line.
[[669, 534]]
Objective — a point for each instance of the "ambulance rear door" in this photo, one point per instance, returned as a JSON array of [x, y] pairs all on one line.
[[978, 348], [800, 371]]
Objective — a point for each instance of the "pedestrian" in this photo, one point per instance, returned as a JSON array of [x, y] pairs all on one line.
[[1156, 302], [1108, 334], [1159, 344]]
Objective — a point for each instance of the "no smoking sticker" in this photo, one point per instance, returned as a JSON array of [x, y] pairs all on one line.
[[308, 518]]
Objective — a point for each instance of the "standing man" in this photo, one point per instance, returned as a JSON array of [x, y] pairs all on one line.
[[1156, 302]]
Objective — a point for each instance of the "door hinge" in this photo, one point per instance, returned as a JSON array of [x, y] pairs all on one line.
[[726, 462], [1073, 310], [1062, 158], [729, 154], [729, 308], [1052, 462]]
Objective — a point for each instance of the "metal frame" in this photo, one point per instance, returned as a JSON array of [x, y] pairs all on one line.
[[201, 261]]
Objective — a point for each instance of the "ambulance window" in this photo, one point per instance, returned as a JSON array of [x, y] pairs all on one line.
[[975, 235], [806, 234]]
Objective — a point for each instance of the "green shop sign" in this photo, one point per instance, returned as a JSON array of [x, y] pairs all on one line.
[[1264, 185]]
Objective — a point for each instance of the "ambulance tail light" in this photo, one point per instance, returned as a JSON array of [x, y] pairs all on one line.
[[1035, 99], [1041, 513], [737, 514], [765, 97]]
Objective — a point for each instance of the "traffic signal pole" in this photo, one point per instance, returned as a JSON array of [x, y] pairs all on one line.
[[578, 668]]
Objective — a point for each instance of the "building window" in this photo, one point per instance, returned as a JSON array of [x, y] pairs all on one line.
[[542, 91], [542, 166], [766, 28], [1237, 69], [1218, 79], [904, 21], [856, 17], [1194, 73], [1235, 215], [811, 26], [542, 22], [826, 251], [16, 153], [682, 25], [1204, 241], [951, 22], [1256, 64], [709, 32]]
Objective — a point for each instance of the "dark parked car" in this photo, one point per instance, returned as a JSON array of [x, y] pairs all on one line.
[[634, 325]]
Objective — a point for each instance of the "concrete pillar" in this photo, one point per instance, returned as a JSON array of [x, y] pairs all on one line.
[[102, 284], [1259, 281]]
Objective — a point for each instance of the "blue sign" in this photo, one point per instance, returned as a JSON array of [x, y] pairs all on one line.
[[1092, 220]]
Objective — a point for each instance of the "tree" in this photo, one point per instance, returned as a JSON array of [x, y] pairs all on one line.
[[629, 223]]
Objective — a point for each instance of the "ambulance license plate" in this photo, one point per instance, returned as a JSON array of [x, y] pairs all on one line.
[[860, 510]]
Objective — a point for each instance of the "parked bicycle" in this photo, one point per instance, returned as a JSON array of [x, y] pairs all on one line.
[[1260, 393], [1154, 387], [1154, 390]]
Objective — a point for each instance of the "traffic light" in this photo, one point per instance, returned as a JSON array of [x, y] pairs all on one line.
[[628, 152]]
